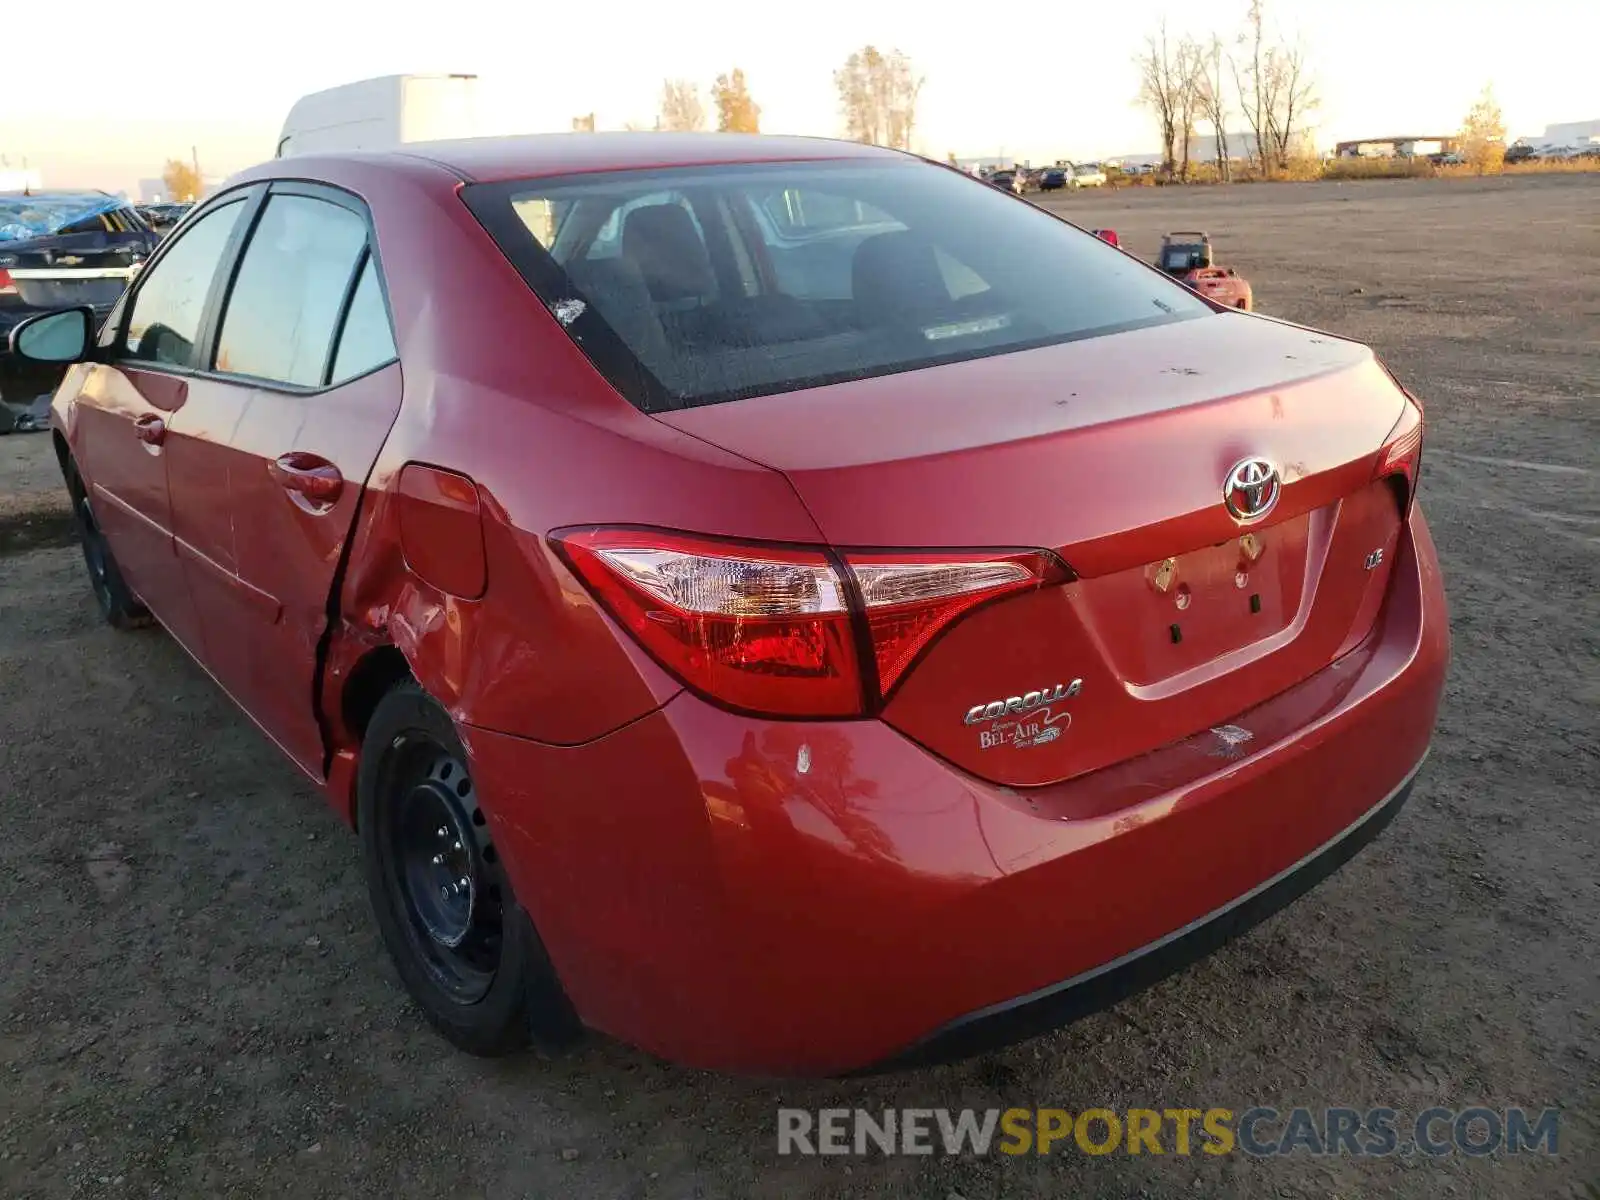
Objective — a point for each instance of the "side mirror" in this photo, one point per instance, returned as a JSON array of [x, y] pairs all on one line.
[[64, 336], [1108, 235]]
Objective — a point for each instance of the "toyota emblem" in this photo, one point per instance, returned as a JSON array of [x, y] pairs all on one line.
[[1252, 489]]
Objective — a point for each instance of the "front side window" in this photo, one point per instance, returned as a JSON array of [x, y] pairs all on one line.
[[292, 281], [705, 284], [167, 309]]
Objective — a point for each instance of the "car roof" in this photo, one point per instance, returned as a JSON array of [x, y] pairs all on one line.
[[487, 160]]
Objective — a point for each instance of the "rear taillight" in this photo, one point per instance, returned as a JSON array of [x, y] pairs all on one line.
[[8, 286], [910, 599], [1401, 457], [767, 630], [788, 631]]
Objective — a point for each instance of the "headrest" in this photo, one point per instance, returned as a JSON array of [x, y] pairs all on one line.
[[664, 243], [897, 271]]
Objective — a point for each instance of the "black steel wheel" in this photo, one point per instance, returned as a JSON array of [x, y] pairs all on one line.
[[118, 605], [443, 866], [466, 951]]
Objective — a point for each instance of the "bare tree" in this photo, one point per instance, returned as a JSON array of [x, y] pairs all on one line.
[[1294, 95], [681, 110], [1186, 108], [878, 97], [1483, 134], [1212, 97], [736, 111], [1249, 78], [1159, 87], [1276, 90]]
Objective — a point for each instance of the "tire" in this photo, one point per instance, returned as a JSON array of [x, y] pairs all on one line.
[[118, 605], [465, 949]]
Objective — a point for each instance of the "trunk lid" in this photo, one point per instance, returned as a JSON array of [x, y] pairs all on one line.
[[1113, 452], [88, 260]]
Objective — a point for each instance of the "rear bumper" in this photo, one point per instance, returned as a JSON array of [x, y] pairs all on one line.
[[1052, 1007], [821, 898]]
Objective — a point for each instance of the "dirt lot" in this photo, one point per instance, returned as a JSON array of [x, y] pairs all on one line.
[[194, 1002]]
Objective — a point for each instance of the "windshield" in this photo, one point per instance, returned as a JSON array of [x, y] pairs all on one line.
[[694, 285], [24, 217]]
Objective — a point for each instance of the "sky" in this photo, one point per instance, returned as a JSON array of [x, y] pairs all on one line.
[[1019, 79]]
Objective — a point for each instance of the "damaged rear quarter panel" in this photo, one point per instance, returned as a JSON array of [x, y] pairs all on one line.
[[495, 390], [534, 656]]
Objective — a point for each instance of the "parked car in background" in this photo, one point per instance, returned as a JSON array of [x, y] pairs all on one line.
[[1014, 180], [1088, 175], [679, 688], [1520, 152], [60, 249], [1054, 178], [163, 217]]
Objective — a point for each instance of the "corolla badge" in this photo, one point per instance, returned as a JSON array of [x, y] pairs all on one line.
[[1015, 705], [1252, 488]]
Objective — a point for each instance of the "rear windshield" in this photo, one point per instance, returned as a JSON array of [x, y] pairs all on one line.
[[26, 217], [695, 285], [1183, 258]]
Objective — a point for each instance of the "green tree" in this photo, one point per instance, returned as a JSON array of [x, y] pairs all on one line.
[[736, 111]]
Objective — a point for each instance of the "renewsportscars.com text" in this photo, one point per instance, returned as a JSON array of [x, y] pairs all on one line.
[[1259, 1132]]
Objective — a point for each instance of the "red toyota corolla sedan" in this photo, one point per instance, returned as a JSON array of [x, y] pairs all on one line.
[[780, 602]]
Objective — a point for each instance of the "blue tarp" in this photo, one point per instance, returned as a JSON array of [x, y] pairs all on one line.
[[25, 217]]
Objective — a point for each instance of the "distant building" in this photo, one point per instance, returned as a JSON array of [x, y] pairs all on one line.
[[154, 191], [20, 180], [985, 164], [1203, 148], [1571, 133], [1404, 146]]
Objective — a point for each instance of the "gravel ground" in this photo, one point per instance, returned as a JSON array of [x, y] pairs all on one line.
[[195, 1003]]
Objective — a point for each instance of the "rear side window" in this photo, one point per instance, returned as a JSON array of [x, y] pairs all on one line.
[[171, 300], [290, 288], [366, 341], [799, 212], [703, 284]]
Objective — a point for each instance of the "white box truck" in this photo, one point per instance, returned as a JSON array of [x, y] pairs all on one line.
[[378, 114]]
